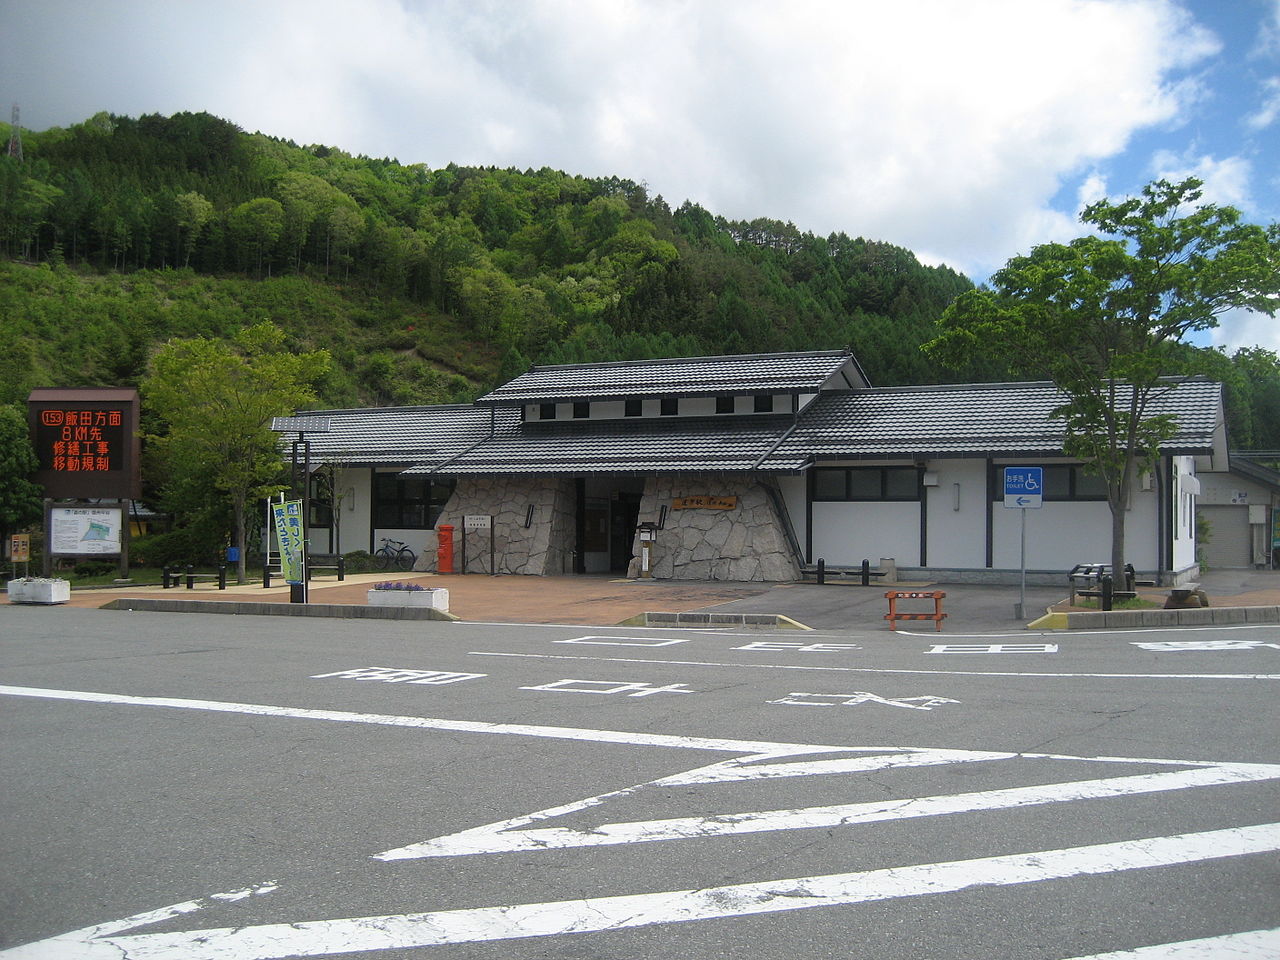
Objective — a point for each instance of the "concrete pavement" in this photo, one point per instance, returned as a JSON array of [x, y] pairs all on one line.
[[604, 601]]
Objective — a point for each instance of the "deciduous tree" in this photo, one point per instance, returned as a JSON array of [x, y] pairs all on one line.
[[1105, 317], [215, 401]]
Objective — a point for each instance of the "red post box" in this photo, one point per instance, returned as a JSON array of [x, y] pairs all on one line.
[[444, 552]]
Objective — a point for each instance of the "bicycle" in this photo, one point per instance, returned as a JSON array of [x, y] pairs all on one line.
[[394, 553]]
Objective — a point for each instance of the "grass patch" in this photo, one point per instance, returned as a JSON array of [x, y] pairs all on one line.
[[1134, 603]]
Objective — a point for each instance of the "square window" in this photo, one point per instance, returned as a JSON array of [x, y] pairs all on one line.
[[763, 403], [581, 410], [865, 484], [724, 404], [1089, 487], [670, 406], [633, 407], [829, 485], [901, 483], [546, 411]]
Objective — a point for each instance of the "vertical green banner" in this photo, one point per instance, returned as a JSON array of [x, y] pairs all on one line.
[[288, 517]]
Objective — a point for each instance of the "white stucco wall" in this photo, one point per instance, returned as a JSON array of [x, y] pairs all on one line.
[[845, 534], [957, 538]]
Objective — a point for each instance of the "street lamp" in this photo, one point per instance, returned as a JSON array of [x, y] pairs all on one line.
[[301, 426]]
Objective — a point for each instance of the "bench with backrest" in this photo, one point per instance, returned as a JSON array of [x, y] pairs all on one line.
[[173, 575]]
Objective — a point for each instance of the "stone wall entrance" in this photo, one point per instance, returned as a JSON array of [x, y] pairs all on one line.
[[745, 542], [549, 526]]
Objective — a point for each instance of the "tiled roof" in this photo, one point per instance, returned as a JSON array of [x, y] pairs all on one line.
[[1010, 419], [694, 376], [969, 420], [622, 446], [398, 435]]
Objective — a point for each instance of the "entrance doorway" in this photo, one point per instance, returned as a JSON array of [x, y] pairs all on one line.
[[608, 509]]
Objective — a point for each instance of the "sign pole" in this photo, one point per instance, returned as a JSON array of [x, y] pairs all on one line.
[[1022, 590], [1023, 490]]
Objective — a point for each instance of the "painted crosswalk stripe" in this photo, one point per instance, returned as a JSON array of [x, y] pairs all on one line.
[[1253, 945], [318, 938]]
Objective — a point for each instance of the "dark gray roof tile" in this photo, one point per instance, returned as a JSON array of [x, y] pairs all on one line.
[[693, 376]]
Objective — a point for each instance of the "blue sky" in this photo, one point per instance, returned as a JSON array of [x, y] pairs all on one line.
[[965, 131]]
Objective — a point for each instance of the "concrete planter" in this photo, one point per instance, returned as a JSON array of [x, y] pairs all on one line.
[[434, 598], [39, 591]]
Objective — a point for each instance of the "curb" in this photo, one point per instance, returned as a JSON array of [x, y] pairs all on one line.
[[352, 611], [1188, 617], [760, 621]]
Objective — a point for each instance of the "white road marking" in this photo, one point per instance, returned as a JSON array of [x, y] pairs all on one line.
[[759, 748], [1176, 646], [858, 697], [782, 646], [626, 641], [936, 673], [506, 836], [1253, 945], [399, 675], [631, 688], [318, 938], [993, 648]]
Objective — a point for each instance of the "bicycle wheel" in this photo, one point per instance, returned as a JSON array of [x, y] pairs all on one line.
[[382, 558], [405, 559]]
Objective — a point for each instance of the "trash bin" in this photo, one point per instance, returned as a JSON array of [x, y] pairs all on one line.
[[233, 554]]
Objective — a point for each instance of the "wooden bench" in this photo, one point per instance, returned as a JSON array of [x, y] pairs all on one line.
[[322, 561], [172, 576]]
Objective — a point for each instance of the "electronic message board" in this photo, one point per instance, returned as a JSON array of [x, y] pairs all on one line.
[[86, 441]]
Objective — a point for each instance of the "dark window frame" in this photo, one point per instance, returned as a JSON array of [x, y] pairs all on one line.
[[632, 407], [762, 403], [546, 411], [582, 409], [408, 509], [725, 404], [669, 407], [1076, 480], [885, 494]]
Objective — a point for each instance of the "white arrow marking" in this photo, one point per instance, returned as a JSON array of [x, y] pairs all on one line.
[[320, 938]]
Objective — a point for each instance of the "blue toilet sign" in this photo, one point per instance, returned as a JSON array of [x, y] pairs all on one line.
[[1023, 488]]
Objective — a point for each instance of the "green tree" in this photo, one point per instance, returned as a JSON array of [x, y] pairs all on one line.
[[190, 213], [257, 225], [1104, 317], [20, 502], [215, 402]]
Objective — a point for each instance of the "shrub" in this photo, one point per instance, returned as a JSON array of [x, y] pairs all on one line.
[[358, 561]]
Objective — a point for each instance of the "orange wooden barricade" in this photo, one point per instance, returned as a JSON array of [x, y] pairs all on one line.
[[894, 615]]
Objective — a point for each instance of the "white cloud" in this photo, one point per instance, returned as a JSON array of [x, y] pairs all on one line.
[[946, 127], [1244, 328], [1226, 181], [1269, 109]]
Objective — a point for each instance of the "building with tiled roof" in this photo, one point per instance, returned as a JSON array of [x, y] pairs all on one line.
[[749, 468]]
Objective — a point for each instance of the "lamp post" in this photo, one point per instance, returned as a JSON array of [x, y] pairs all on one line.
[[298, 592]]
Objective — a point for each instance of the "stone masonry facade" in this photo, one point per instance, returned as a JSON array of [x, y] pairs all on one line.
[[745, 543], [542, 548]]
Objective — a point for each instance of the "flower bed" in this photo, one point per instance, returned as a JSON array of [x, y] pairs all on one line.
[[398, 593], [39, 590]]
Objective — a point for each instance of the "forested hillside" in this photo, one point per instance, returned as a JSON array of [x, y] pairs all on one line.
[[429, 285]]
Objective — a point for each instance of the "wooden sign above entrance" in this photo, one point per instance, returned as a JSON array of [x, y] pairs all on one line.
[[704, 503]]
